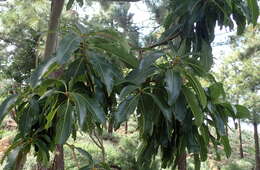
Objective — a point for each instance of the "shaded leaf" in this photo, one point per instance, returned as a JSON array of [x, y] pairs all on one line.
[[67, 46], [166, 110], [127, 91], [125, 108], [64, 125], [242, 112], [198, 89], [173, 85], [5, 106], [41, 71], [193, 103]]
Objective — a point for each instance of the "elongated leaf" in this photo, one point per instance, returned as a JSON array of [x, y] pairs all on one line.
[[106, 71], [69, 4], [166, 110], [206, 57], [14, 159], [254, 10], [125, 109], [85, 154], [216, 90], [173, 85], [29, 116], [127, 91], [227, 148], [193, 103], [242, 112], [198, 89], [5, 106], [91, 105], [149, 59], [220, 124], [120, 52], [63, 128], [180, 108], [80, 102], [138, 76], [67, 46], [41, 71]]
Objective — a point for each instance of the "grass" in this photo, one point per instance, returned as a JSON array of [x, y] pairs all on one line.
[[120, 151]]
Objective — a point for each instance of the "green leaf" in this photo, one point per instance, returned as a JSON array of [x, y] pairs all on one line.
[[149, 114], [120, 52], [80, 102], [69, 4], [5, 106], [64, 125], [125, 109], [14, 159], [173, 85], [219, 124], [180, 108], [127, 90], [198, 89], [29, 116], [194, 105], [85, 154], [149, 59], [206, 57], [161, 103], [242, 112], [227, 148], [91, 105], [41, 70], [106, 71], [67, 46], [216, 90], [254, 10], [192, 144], [138, 76], [80, 2]]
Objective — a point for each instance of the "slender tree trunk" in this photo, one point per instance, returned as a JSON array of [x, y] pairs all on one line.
[[51, 45], [126, 127], [51, 41], [240, 140], [182, 164], [58, 162], [110, 126], [257, 154]]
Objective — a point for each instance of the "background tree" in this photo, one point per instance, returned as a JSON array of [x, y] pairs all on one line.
[[240, 75], [175, 112]]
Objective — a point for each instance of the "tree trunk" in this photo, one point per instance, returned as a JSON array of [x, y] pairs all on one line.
[[58, 162], [257, 154], [126, 127], [182, 164], [51, 45], [51, 41], [110, 126], [240, 140]]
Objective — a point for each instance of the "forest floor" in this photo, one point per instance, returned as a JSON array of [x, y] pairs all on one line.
[[121, 148]]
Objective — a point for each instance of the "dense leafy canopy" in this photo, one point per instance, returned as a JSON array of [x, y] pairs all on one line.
[[175, 111]]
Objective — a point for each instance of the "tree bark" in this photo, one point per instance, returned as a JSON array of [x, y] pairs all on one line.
[[58, 162], [257, 154], [51, 41], [182, 164], [240, 140], [50, 47]]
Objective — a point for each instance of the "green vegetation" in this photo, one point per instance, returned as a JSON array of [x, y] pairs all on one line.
[[78, 80]]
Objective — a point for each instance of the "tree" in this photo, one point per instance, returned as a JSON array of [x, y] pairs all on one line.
[[239, 73], [175, 112]]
